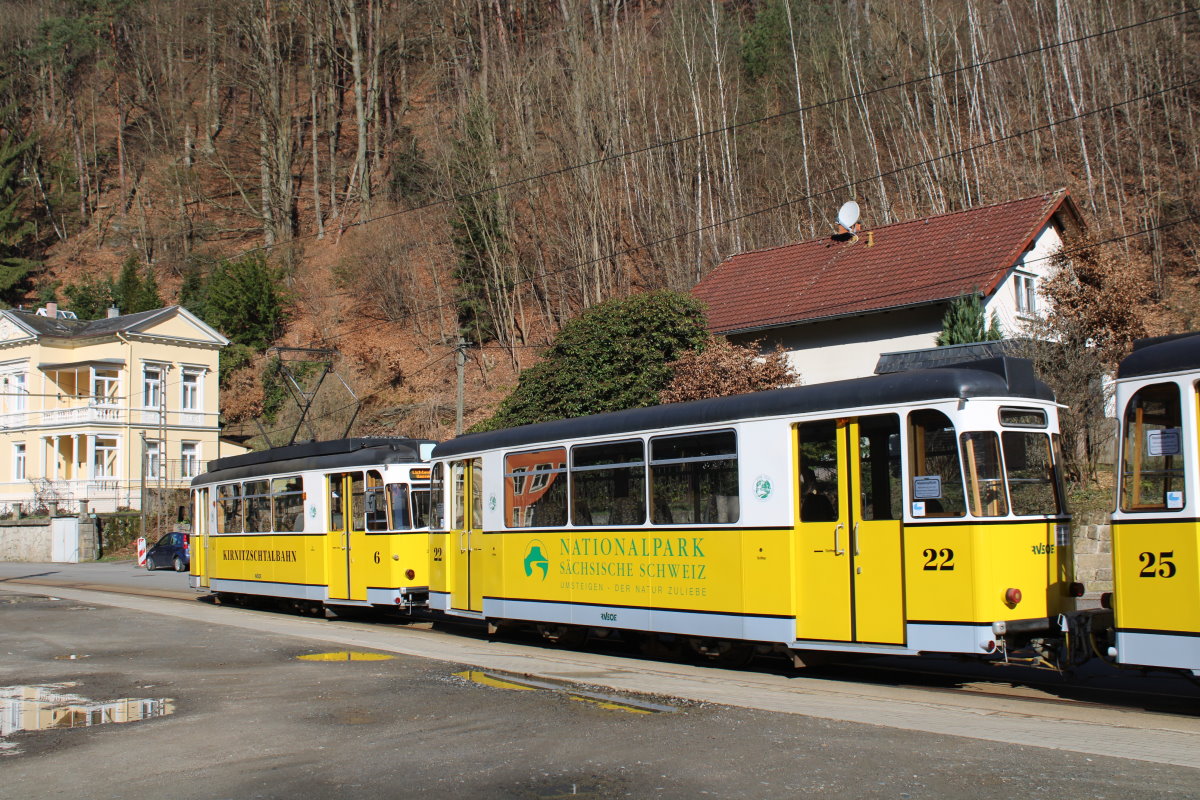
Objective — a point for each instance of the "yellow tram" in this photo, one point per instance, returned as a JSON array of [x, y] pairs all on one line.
[[905, 513], [340, 523], [1156, 525]]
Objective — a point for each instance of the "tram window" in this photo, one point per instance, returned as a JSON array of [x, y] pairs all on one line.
[[257, 495], [694, 479], [477, 493], [879, 467], [287, 495], [376, 502], [1022, 417], [535, 489], [358, 502], [437, 497], [458, 495], [985, 479], [608, 484], [421, 511], [818, 471], [337, 516], [397, 494], [1030, 469], [1152, 466], [229, 508], [936, 482]]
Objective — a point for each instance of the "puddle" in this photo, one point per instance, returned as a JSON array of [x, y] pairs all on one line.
[[611, 706], [600, 701], [346, 655], [51, 707], [484, 679]]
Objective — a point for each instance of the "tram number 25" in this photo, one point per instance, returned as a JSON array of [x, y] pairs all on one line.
[[1165, 567], [938, 559]]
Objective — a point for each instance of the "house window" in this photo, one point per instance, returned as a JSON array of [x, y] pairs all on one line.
[[104, 458], [104, 386], [190, 459], [190, 398], [152, 386], [19, 462], [15, 391], [153, 459], [1026, 294]]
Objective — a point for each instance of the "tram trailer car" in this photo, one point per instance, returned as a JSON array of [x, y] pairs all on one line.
[[341, 523], [1156, 524], [916, 512]]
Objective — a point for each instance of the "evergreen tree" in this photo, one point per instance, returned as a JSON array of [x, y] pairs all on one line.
[[136, 289], [90, 298], [964, 323], [241, 299], [17, 231], [613, 356]]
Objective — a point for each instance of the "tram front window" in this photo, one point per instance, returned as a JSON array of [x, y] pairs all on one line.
[[1030, 467], [985, 482], [936, 477], [1152, 467]]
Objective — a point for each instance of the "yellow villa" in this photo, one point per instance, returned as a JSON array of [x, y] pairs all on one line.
[[105, 411]]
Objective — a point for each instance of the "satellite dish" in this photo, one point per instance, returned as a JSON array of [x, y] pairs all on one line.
[[848, 215]]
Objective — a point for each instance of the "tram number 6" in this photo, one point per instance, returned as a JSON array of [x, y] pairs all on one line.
[[945, 554], [1166, 568], [376, 556]]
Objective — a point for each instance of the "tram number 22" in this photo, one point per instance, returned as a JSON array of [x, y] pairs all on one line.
[[1165, 567], [938, 559]]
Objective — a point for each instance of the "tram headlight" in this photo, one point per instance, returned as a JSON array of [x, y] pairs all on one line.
[[1076, 589], [1012, 596], [410, 573]]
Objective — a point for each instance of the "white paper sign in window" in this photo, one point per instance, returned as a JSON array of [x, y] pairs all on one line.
[[1174, 499], [927, 487], [1166, 442]]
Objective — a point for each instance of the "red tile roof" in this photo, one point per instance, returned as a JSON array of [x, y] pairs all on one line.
[[908, 263]]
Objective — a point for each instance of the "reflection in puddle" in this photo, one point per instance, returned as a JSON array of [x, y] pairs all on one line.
[[345, 655], [50, 706], [485, 679], [488, 679], [611, 706]]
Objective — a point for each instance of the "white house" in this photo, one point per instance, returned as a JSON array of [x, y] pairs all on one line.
[[837, 303]]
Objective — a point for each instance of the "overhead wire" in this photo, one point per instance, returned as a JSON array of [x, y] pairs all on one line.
[[735, 126], [841, 188]]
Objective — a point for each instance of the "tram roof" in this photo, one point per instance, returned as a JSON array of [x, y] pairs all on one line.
[[1162, 354], [994, 377], [353, 452]]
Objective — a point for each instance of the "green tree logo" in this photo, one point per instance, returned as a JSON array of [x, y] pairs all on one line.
[[535, 558]]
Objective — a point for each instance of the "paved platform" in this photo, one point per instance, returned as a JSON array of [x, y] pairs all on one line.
[[1066, 726]]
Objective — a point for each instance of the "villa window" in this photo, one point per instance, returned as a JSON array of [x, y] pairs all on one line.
[[190, 459], [152, 387], [19, 462], [1026, 289], [153, 459], [190, 397]]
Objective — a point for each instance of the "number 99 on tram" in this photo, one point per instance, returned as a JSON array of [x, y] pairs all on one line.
[[913, 512]]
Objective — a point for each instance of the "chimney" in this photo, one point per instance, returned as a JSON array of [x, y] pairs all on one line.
[[52, 310], [113, 311]]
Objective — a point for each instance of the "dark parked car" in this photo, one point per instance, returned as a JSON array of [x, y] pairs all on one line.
[[172, 550]]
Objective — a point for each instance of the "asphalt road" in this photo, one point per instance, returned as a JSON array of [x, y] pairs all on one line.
[[250, 719]]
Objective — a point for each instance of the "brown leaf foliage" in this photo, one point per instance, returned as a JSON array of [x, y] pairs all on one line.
[[722, 368]]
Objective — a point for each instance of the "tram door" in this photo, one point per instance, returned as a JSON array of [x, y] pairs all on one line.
[[201, 541], [347, 537], [850, 573], [466, 534]]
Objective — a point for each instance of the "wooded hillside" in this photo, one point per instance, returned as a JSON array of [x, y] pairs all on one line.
[[419, 170]]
